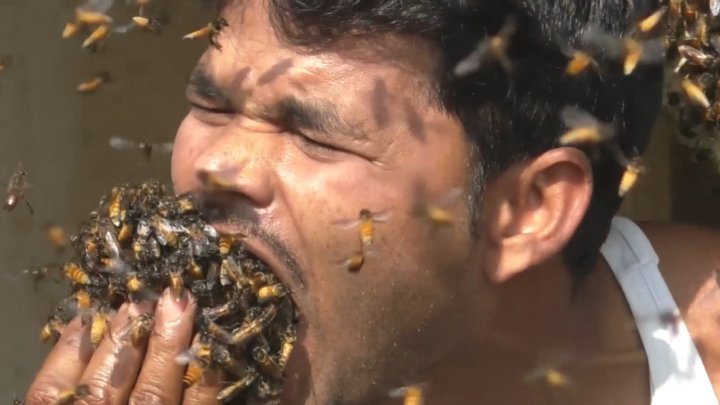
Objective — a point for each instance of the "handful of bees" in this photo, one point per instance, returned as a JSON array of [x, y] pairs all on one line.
[[141, 241]]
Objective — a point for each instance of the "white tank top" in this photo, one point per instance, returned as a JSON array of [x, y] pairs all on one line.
[[677, 373]]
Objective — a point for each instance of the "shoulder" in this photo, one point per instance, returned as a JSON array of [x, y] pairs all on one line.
[[689, 262]]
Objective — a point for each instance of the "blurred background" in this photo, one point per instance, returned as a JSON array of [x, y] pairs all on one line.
[[61, 139]]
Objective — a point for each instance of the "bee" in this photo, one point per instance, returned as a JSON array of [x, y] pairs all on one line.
[[583, 128], [57, 236], [98, 328], [697, 57], [650, 22], [166, 232], [146, 148], [38, 274], [96, 36], [232, 390], [630, 176], [354, 262], [125, 232], [694, 93], [87, 17], [270, 292], [70, 29], [83, 302], [76, 274], [230, 307], [230, 272], [195, 270], [287, 339], [137, 329], [221, 355], [265, 389], [579, 62], [93, 84], [226, 243], [631, 51], [437, 211], [51, 330], [150, 24], [68, 396], [412, 395], [252, 328], [214, 330], [366, 222], [211, 31], [197, 359], [548, 376], [494, 47], [176, 284], [265, 362], [17, 185]]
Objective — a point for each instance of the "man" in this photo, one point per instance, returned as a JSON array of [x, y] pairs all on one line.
[[315, 111]]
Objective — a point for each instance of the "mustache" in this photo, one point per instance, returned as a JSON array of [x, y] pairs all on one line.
[[234, 210]]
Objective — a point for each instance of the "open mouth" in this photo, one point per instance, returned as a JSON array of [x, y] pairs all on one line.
[[141, 241]]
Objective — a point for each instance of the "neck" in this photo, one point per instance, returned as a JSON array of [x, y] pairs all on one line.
[[537, 327]]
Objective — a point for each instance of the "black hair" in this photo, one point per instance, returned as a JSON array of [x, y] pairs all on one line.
[[511, 116]]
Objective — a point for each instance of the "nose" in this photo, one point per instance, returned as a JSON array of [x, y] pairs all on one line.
[[240, 164]]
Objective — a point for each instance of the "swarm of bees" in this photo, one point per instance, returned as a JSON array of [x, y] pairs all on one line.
[[140, 241], [693, 41]]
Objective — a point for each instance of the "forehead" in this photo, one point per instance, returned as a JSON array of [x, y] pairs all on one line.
[[254, 62]]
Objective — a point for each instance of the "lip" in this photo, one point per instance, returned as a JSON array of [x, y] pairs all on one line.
[[259, 249]]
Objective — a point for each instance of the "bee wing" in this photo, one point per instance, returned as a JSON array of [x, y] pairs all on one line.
[[450, 197], [185, 358], [162, 147], [381, 216], [122, 29], [653, 51], [98, 6], [575, 117], [473, 60], [119, 143], [603, 41], [347, 223]]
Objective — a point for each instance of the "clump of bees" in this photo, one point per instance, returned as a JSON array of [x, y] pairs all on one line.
[[140, 241], [693, 41]]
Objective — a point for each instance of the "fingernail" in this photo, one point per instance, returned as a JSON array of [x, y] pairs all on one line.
[[170, 308]]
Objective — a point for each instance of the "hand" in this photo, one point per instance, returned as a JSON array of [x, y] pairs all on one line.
[[118, 372]]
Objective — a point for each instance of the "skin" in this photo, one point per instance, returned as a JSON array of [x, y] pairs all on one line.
[[466, 316]]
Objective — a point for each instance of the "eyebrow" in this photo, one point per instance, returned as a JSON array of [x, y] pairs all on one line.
[[200, 84]]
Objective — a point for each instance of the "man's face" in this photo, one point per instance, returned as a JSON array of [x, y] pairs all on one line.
[[308, 140]]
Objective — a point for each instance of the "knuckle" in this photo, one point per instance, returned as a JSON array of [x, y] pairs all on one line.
[[148, 395], [98, 393], [43, 395]]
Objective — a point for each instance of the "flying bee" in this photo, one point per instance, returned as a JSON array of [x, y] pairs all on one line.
[[70, 29], [491, 48], [366, 221], [583, 128], [631, 51], [234, 389], [99, 34], [68, 396], [211, 31], [197, 359], [252, 328], [99, 327], [630, 176], [152, 24], [579, 62], [87, 17], [51, 330], [57, 236], [93, 84], [265, 362], [146, 148], [17, 185], [270, 292], [437, 211], [650, 22], [76, 274], [412, 395], [694, 93]]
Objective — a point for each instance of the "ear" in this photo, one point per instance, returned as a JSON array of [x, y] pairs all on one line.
[[532, 210]]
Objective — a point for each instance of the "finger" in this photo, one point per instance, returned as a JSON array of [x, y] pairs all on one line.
[[63, 366], [205, 391], [160, 379], [111, 373]]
